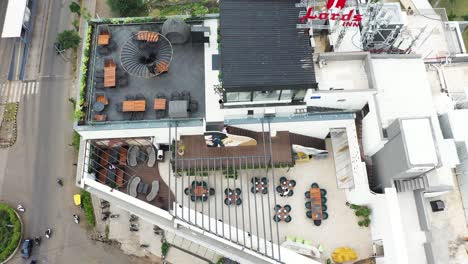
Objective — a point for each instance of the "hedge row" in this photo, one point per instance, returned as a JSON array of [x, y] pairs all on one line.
[[10, 231], [79, 114], [88, 207]]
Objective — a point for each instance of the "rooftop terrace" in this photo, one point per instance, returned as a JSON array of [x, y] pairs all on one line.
[[184, 79]]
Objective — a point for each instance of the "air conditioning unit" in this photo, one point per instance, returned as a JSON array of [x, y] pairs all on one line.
[[269, 112]]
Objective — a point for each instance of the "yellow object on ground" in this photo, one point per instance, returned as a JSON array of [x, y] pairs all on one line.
[[301, 156], [343, 254], [77, 199]]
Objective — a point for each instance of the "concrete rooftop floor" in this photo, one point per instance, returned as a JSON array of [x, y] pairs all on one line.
[[330, 235], [186, 73], [346, 75]]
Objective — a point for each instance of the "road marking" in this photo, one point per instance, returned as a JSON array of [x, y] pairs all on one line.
[[13, 91]]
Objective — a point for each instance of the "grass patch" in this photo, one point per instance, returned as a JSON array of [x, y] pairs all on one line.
[[76, 141], [10, 111], [459, 7], [193, 9], [465, 38], [88, 208], [10, 231]]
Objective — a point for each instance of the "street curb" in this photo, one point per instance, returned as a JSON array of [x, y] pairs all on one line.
[[21, 238]]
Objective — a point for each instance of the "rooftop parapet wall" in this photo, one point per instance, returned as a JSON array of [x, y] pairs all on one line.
[[343, 57]]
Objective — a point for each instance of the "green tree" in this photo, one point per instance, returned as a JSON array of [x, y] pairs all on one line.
[[128, 8], [68, 39], [75, 7]]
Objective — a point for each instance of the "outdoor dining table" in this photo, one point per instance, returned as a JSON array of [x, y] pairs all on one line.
[[134, 106], [282, 213], [98, 107], [316, 204], [109, 74], [178, 108], [232, 197], [159, 104], [200, 190]]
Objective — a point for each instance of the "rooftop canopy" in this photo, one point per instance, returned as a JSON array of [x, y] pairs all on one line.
[[261, 49], [14, 19]]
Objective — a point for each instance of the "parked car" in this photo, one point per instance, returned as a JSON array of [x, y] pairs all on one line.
[[26, 248]]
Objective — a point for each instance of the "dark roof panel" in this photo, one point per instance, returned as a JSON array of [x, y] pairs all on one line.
[[260, 45]]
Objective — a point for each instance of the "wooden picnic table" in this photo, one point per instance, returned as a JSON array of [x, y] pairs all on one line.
[[109, 74], [160, 104], [316, 203], [104, 39], [134, 106]]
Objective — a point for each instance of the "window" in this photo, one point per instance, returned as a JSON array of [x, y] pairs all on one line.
[[299, 95], [266, 95], [286, 95], [238, 97]]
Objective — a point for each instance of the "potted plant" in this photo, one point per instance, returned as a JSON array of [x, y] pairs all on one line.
[[181, 148]]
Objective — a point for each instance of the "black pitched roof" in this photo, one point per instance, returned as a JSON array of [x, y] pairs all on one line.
[[261, 49]]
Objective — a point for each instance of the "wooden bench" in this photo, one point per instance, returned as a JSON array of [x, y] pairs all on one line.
[[123, 152], [162, 67], [102, 99], [104, 159], [120, 177], [148, 36], [102, 176], [100, 117]]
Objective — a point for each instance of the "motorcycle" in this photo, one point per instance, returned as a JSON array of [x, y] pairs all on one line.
[[133, 225], [114, 216], [133, 229], [103, 206], [59, 182], [76, 219], [133, 218], [20, 208], [37, 240], [48, 233]]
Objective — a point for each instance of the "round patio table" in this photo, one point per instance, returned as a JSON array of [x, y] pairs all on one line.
[[98, 107]]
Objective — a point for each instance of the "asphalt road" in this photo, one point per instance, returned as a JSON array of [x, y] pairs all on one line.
[[29, 169]]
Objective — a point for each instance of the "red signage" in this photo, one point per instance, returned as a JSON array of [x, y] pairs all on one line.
[[350, 19], [336, 4]]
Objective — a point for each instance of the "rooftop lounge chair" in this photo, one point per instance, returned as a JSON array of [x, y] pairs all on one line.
[[287, 208], [324, 207], [323, 192], [132, 155], [187, 191], [132, 187], [324, 215], [288, 219], [154, 191], [314, 185], [151, 156]]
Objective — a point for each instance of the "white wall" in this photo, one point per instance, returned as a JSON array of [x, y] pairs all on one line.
[[355, 100], [213, 112], [161, 134], [372, 138], [318, 129]]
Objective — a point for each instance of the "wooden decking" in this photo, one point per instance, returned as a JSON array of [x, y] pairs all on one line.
[[196, 149]]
